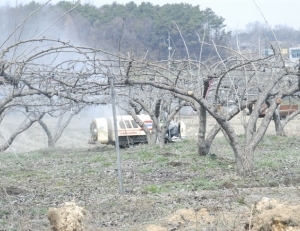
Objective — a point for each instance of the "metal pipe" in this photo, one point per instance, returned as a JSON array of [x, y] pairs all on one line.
[[117, 144]]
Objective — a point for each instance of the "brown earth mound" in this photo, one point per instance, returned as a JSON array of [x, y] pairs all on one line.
[[69, 217], [183, 219], [270, 215]]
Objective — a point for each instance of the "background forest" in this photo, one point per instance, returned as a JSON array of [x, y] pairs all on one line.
[[160, 32]]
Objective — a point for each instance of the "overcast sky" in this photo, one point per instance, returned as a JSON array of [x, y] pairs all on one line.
[[237, 13]]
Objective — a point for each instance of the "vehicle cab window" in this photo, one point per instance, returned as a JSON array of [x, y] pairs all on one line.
[[134, 124], [128, 124], [121, 124]]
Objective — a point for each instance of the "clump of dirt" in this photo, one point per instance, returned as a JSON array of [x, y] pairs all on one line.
[[183, 215], [12, 191], [187, 219], [177, 163], [168, 154], [69, 217], [270, 215]]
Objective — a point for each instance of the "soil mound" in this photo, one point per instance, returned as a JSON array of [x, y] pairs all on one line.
[[270, 215], [69, 217], [267, 215], [183, 219]]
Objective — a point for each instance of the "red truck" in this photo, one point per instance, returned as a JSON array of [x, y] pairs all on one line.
[[284, 110]]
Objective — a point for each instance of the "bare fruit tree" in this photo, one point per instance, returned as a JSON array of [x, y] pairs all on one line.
[[30, 118], [234, 83], [55, 76], [61, 124], [44, 74], [161, 105]]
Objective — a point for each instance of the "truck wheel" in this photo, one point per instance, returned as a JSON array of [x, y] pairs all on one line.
[[129, 145]]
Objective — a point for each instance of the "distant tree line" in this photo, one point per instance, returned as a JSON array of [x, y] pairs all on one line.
[[258, 37], [152, 29], [141, 28], [138, 28]]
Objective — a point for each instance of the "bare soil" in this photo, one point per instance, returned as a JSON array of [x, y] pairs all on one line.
[[163, 189]]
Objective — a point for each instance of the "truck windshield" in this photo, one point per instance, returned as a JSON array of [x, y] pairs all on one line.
[[128, 124], [134, 124]]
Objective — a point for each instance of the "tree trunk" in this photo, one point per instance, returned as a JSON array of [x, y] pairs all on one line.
[[244, 161], [155, 129], [211, 136], [58, 130], [244, 156], [162, 135], [243, 153], [51, 142], [202, 146], [278, 126], [143, 126], [153, 136]]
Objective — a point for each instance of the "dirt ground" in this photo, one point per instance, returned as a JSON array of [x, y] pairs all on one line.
[[163, 190]]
